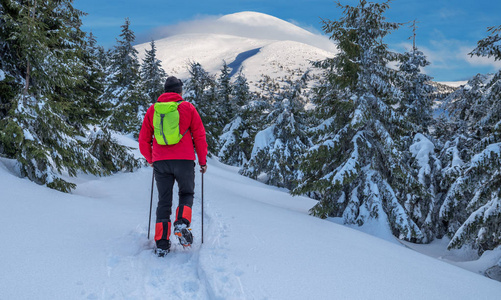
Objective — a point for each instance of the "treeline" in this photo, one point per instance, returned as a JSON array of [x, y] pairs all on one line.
[[360, 137], [364, 138]]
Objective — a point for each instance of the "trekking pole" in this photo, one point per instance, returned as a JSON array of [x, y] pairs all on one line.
[[202, 208], [151, 202]]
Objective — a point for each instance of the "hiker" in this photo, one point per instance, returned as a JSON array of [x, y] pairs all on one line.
[[173, 161]]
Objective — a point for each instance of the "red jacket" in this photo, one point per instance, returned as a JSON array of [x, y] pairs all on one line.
[[188, 118]]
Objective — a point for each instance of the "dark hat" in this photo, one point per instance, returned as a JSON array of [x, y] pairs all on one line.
[[173, 85]]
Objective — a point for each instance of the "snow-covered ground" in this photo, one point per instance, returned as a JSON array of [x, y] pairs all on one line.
[[259, 243]]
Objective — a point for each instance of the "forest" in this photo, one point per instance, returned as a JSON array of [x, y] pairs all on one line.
[[365, 139]]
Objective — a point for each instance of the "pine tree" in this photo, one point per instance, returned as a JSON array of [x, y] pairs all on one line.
[[43, 43], [356, 168], [280, 145], [417, 102], [112, 156], [124, 87], [471, 210], [238, 136], [51, 88], [224, 96], [200, 90], [152, 75], [418, 146]]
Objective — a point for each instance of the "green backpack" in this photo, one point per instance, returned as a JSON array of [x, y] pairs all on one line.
[[166, 123]]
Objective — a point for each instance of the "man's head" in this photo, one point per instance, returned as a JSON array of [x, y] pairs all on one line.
[[173, 85]]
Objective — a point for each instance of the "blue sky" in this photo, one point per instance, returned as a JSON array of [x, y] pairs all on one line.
[[447, 31]]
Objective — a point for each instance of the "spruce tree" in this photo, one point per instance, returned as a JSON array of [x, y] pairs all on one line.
[[416, 102], [356, 168], [279, 147], [152, 75], [237, 138], [51, 97], [224, 97], [200, 90], [471, 209], [418, 146], [51, 88], [124, 89]]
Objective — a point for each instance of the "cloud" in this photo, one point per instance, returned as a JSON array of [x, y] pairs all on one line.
[[247, 24], [450, 60], [478, 60]]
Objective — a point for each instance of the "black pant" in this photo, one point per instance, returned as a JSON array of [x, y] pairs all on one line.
[[166, 172]]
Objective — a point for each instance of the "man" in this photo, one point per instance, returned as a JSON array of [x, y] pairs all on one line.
[[174, 163]]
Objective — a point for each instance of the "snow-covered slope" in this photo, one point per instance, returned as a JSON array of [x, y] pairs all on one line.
[[259, 243], [259, 43]]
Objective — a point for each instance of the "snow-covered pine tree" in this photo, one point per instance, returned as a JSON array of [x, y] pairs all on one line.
[[223, 96], [416, 103], [200, 90], [419, 147], [238, 135], [124, 87], [356, 168], [152, 75], [279, 147], [112, 156], [50, 95], [90, 112], [471, 210]]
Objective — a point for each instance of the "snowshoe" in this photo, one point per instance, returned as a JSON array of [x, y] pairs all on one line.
[[184, 235], [161, 252], [163, 248]]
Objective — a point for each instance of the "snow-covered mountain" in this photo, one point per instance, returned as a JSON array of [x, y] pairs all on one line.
[[256, 42], [259, 243]]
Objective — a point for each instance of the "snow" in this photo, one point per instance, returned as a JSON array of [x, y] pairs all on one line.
[[421, 150], [2, 75], [259, 43], [259, 243], [28, 135], [454, 83], [349, 167], [456, 159], [486, 154], [263, 139]]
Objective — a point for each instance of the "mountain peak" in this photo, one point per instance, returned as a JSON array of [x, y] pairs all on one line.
[[260, 21], [254, 19]]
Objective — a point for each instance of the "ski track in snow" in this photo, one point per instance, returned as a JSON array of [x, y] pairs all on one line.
[[134, 271]]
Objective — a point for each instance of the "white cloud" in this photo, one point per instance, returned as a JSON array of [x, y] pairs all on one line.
[[246, 24], [478, 60], [451, 54]]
